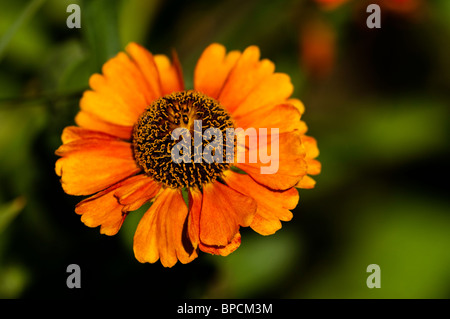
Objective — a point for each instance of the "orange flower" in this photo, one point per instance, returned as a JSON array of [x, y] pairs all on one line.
[[120, 152], [330, 4], [318, 48]]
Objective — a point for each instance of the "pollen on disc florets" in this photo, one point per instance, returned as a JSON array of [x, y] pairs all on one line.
[[152, 138]]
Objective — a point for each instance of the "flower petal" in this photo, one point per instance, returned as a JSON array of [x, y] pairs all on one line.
[[73, 133], [284, 117], [307, 182], [105, 208], [126, 78], [284, 167], [108, 107], [223, 211], [89, 165], [222, 250], [137, 191], [147, 65], [212, 69], [160, 232], [120, 95], [273, 89], [298, 104], [92, 122], [310, 144], [195, 207], [314, 167], [272, 205], [170, 74], [247, 73]]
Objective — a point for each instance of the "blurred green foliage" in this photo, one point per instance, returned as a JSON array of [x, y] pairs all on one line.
[[380, 115]]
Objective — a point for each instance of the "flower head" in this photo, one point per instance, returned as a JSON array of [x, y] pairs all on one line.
[[121, 153]]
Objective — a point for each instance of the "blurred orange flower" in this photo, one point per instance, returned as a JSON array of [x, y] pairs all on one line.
[[317, 48], [330, 4]]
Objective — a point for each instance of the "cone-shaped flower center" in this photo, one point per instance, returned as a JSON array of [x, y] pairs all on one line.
[[172, 138]]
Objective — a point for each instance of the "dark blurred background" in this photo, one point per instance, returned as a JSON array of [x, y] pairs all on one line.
[[377, 101]]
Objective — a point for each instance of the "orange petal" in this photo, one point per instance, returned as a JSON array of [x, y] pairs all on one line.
[[265, 223], [73, 133], [195, 202], [170, 74], [90, 165], [108, 108], [136, 192], [160, 233], [248, 72], [272, 205], [92, 122], [146, 64], [310, 145], [124, 76], [145, 242], [314, 167], [212, 69], [306, 182], [222, 250], [104, 208], [285, 117], [298, 104], [288, 165], [273, 89], [223, 211], [281, 180], [195, 207], [120, 95]]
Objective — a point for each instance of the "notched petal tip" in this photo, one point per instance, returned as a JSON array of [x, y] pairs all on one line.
[[222, 250], [160, 233], [307, 182]]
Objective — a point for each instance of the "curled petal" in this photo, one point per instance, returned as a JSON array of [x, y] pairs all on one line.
[[272, 205], [223, 250], [223, 211], [92, 122], [284, 117], [213, 68], [285, 166], [89, 165], [104, 208], [307, 182], [161, 231]]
